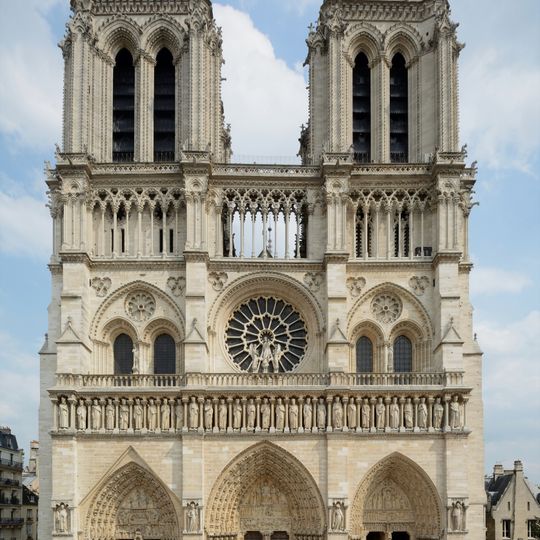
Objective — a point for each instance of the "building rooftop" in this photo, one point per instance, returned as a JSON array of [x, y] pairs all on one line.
[[7, 440]]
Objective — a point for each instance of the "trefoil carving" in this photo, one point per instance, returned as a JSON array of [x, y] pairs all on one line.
[[101, 285], [419, 284]]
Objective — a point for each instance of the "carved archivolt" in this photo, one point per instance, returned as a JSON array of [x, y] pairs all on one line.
[[266, 471], [131, 499], [397, 495]]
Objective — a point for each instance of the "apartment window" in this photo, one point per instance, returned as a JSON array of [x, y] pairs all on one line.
[[531, 526], [506, 528]]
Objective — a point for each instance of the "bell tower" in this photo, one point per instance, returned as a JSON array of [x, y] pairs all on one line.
[[383, 81], [143, 80]]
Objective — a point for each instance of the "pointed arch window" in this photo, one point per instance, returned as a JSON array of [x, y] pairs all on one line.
[[402, 355], [123, 355], [164, 355], [362, 109], [164, 107], [399, 110], [124, 107], [364, 355]]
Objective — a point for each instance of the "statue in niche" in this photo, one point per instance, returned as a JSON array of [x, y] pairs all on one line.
[[458, 516], [438, 412], [394, 414], [321, 414], [366, 414], [81, 415], [208, 414], [193, 413], [123, 417], [179, 414], [422, 413], [338, 517], [237, 415], [380, 410], [293, 414], [63, 413], [192, 517], [62, 525], [222, 415], [308, 414], [337, 414], [265, 414], [138, 414], [165, 415], [251, 413], [109, 415], [152, 415], [408, 414], [138, 535], [136, 359], [390, 359], [351, 414], [280, 415], [455, 413], [96, 415]]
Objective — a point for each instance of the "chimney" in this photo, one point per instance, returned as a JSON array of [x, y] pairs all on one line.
[[498, 471], [518, 467]]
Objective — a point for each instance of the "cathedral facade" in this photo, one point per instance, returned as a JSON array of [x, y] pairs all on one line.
[[260, 352]]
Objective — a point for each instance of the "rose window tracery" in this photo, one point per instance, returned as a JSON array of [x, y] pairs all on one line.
[[266, 335], [386, 308], [140, 306]]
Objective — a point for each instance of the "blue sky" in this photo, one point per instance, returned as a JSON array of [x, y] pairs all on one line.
[[266, 102]]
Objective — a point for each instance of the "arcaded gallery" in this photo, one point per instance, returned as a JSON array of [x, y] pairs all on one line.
[[260, 351]]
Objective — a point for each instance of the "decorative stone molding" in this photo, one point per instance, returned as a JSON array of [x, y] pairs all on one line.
[[218, 280], [387, 308], [192, 516], [313, 280], [337, 516], [356, 285], [177, 285], [140, 306], [419, 284], [101, 285]]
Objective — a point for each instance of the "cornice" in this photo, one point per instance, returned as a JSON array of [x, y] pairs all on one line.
[[446, 257], [398, 264], [247, 265], [196, 256]]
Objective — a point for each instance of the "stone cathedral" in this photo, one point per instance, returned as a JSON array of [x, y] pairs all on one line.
[[260, 352]]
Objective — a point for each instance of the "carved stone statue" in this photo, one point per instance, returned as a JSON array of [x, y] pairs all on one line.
[[278, 354], [351, 414], [266, 355], [165, 415], [222, 415], [280, 415], [192, 517], [62, 525], [308, 414], [63, 414], [366, 414], [81, 415], [208, 415], [237, 415], [251, 413], [458, 516], [193, 413], [338, 517], [138, 415], [438, 412], [123, 417], [136, 359], [293, 415], [422, 414], [455, 413], [380, 410], [179, 415], [408, 414], [394, 414], [138, 535], [265, 414], [254, 358], [321, 414], [337, 414], [109, 415], [152, 415], [96, 414]]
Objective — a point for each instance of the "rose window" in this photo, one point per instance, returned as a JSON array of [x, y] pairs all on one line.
[[140, 306], [266, 335], [386, 308]]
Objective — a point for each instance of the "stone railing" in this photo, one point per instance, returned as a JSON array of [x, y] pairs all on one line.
[[287, 411], [233, 380]]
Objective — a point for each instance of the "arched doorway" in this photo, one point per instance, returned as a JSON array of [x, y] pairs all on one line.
[[131, 504], [396, 501], [265, 494]]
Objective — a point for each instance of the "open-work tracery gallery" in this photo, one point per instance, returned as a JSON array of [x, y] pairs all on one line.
[[260, 352]]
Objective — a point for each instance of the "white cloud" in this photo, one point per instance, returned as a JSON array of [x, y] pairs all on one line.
[[488, 281], [31, 75], [265, 100]]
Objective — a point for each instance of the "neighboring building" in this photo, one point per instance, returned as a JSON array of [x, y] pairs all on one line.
[[30, 514], [513, 509], [11, 466], [31, 472], [260, 351]]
